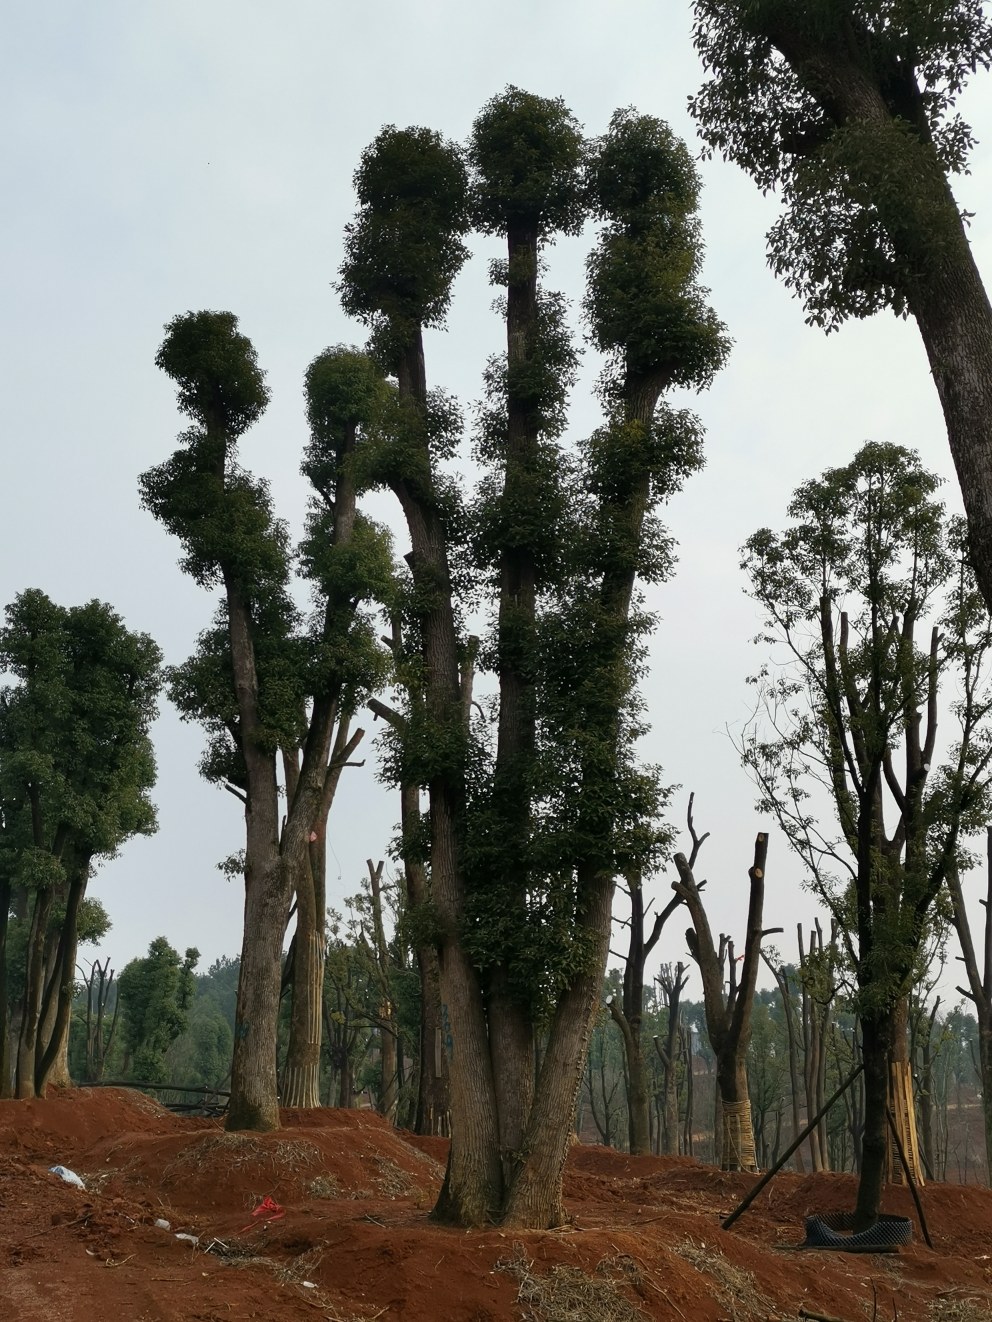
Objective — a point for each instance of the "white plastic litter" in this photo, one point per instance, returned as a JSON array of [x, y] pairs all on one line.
[[162, 1224], [70, 1177], [309, 1285], [190, 1239]]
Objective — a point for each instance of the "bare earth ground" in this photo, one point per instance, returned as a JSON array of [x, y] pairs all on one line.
[[355, 1242]]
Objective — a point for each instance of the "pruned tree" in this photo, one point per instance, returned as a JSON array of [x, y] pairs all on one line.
[[99, 983], [672, 980], [727, 994], [852, 708], [628, 1012], [262, 682], [849, 112], [525, 839]]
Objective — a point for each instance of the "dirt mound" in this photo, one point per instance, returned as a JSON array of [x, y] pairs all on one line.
[[328, 1218]]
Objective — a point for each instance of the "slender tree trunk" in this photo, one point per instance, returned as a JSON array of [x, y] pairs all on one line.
[[979, 989], [473, 1184], [52, 1067], [27, 1047], [433, 1104], [301, 1072]]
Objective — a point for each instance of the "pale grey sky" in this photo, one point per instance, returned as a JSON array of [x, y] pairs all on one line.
[[198, 154]]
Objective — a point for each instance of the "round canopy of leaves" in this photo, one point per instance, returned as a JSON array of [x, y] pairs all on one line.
[[216, 370], [404, 248], [526, 153], [643, 304]]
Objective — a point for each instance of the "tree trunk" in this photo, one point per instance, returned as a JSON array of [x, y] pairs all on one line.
[[34, 976], [900, 1100], [473, 1183], [254, 1102], [301, 1072], [6, 1054], [979, 989], [736, 1133], [876, 1039], [534, 1199]]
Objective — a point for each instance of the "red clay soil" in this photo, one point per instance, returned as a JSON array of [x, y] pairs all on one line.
[[354, 1241]]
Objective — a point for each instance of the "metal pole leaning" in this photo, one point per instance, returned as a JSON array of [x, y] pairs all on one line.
[[727, 1222]]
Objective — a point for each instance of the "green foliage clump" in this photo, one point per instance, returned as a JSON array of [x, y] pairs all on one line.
[[412, 190], [848, 111], [526, 152], [155, 993]]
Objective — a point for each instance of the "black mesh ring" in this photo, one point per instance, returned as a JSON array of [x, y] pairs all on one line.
[[832, 1230]]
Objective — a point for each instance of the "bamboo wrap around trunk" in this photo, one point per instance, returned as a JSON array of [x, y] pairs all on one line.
[[738, 1138], [903, 1112]]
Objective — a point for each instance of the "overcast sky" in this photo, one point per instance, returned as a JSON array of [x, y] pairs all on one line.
[[198, 154]]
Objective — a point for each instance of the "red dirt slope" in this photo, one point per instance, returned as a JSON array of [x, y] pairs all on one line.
[[354, 1241]]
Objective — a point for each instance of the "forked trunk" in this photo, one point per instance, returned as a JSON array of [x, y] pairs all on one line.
[[534, 1199]]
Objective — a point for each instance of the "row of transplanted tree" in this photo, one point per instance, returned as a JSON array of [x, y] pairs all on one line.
[[167, 1026], [803, 1046], [535, 800]]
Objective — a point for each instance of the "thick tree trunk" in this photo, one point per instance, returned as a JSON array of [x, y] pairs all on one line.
[[510, 1027], [534, 1199], [433, 1104], [876, 1039], [254, 1100], [433, 1114], [736, 1132], [952, 311]]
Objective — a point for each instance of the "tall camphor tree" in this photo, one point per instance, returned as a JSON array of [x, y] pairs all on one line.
[[76, 768], [262, 683], [849, 111], [536, 941], [526, 155], [852, 712]]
